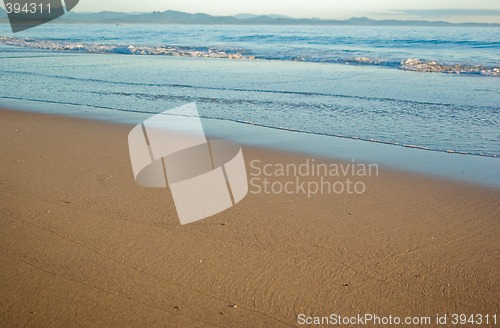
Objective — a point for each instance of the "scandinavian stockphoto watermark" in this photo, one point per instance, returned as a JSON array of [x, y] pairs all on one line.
[[310, 177], [205, 177], [26, 14]]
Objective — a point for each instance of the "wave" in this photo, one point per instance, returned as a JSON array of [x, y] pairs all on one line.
[[410, 64], [263, 125], [122, 49], [433, 66], [396, 101]]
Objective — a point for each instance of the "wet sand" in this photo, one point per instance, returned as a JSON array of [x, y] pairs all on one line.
[[82, 245]]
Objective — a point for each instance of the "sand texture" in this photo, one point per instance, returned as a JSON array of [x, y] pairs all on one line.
[[82, 245]]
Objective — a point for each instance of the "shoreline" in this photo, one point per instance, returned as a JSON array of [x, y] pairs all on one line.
[[462, 168], [83, 243], [340, 100]]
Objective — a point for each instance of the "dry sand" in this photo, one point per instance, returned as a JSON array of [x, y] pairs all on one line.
[[81, 245]]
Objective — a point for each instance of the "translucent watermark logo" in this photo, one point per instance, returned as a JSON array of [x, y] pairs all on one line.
[[171, 149], [207, 177], [310, 178], [26, 14]]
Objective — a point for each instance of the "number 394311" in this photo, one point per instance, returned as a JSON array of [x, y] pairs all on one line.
[[27, 8]]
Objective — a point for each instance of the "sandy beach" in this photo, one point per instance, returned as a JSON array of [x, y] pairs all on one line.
[[82, 245]]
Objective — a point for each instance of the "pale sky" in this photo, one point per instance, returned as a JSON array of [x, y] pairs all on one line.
[[449, 10]]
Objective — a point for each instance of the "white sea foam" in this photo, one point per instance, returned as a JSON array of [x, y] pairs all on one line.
[[121, 49], [410, 64], [418, 65]]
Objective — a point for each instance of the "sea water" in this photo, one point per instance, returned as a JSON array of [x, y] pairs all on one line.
[[410, 91]]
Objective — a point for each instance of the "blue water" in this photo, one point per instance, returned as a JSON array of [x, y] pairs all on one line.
[[394, 86], [441, 49]]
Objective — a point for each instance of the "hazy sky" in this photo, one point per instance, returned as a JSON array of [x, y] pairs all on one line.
[[450, 10]]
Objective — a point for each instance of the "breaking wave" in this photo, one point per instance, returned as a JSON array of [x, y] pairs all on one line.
[[433, 66], [123, 49], [410, 64]]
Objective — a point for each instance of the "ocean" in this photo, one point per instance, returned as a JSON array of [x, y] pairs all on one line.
[[470, 50], [418, 89]]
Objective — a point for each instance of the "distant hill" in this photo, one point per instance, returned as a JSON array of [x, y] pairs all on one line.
[[177, 17], [156, 17], [250, 16], [103, 16]]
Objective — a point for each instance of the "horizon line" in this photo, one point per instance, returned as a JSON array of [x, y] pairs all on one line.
[[289, 17]]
